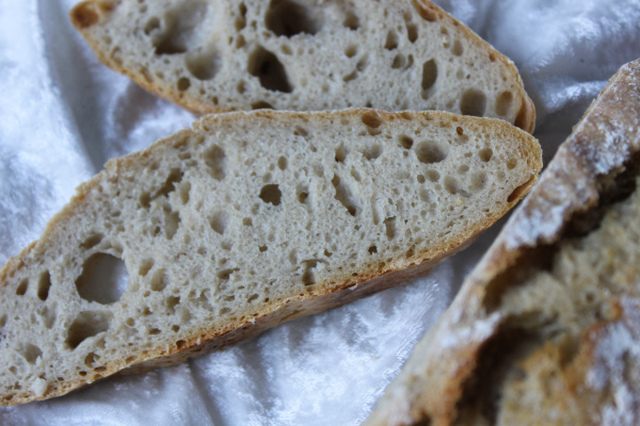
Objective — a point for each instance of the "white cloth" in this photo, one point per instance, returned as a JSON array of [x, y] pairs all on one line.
[[62, 115]]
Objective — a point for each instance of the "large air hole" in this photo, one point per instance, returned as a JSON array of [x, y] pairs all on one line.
[[30, 352], [216, 161], [104, 279], [430, 152], [271, 194], [181, 29], [473, 102], [344, 196], [390, 227], [269, 70], [288, 18], [87, 324], [44, 284], [429, 77], [175, 176], [204, 64]]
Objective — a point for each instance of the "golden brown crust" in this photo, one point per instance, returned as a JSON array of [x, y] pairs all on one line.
[[434, 383]]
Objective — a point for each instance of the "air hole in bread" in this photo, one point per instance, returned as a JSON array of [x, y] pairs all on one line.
[[85, 15], [225, 274], [356, 175], [145, 267], [485, 154], [181, 28], [103, 279], [430, 152], [219, 222], [159, 280], [185, 188], [271, 194], [390, 227], [344, 195], [261, 105], [405, 141], [183, 84], [216, 161], [504, 102], [351, 21], [151, 25], [429, 77], [247, 221], [392, 40], [473, 102], [372, 119], [3, 320], [288, 18], [91, 359], [351, 51], [269, 70], [412, 32], [22, 288], [452, 185], [457, 48], [30, 352], [241, 20], [87, 324], [171, 303], [463, 168], [308, 276], [512, 163], [478, 181], [303, 194], [341, 154], [92, 241], [262, 249], [171, 223], [372, 249], [169, 185], [44, 284], [282, 163], [204, 64], [372, 152]]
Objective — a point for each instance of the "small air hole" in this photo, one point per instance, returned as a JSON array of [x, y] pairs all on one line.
[[373, 249], [392, 41], [219, 222], [22, 288], [485, 154], [390, 227], [405, 141], [372, 119], [271, 194]]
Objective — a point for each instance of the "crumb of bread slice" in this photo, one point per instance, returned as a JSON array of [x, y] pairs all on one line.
[[305, 55], [245, 221]]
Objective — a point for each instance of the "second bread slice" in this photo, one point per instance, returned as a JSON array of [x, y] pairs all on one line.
[[246, 221]]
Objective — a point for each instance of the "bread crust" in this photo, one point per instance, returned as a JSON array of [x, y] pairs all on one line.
[[433, 387], [321, 297], [90, 13]]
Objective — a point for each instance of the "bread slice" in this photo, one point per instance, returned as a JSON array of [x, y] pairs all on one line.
[[546, 329], [248, 220], [304, 55]]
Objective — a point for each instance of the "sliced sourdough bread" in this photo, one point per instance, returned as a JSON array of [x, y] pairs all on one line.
[[546, 330], [246, 221], [304, 55]]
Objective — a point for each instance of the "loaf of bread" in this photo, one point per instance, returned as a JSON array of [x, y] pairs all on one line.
[[546, 330], [304, 55], [248, 220]]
